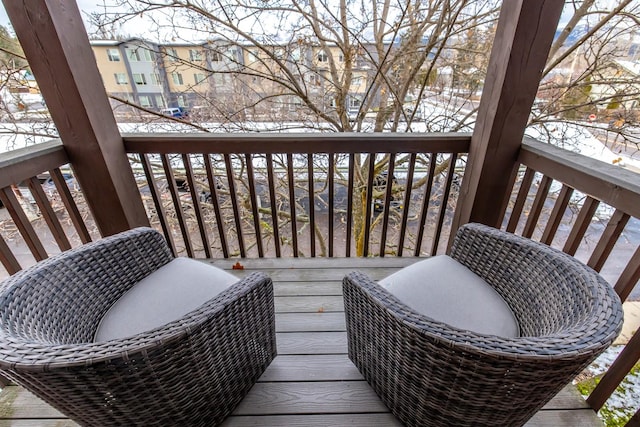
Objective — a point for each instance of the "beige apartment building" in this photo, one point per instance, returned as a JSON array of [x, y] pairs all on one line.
[[222, 76], [113, 68]]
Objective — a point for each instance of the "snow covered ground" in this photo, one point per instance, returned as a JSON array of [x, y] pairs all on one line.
[[624, 401]]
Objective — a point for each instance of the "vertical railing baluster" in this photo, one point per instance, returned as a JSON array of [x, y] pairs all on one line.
[[331, 206], [580, 226], [272, 201], [608, 240], [292, 203], [629, 277], [536, 208], [512, 178], [406, 203], [623, 364], [177, 204], [387, 203], [7, 258], [23, 224], [559, 208], [444, 203], [369, 200], [312, 208], [350, 204], [425, 203], [70, 205], [521, 199], [254, 204], [234, 203], [215, 201], [157, 201], [47, 212], [195, 199]]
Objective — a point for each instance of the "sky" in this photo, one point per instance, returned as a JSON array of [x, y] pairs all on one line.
[[85, 5], [133, 28]]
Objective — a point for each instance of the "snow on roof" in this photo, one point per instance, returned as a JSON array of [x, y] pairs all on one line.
[[104, 42], [630, 66]]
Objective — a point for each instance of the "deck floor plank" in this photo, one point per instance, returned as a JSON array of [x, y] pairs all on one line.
[[322, 367], [324, 420], [312, 382], [306, 304], [311, 342], [298, 289], [333, 397]]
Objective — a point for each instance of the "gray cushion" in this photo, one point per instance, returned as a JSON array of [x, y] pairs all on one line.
[[165, 295], [445, 290]]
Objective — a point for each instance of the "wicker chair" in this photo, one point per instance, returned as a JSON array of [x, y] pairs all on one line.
[[192, 371], [431, 374]]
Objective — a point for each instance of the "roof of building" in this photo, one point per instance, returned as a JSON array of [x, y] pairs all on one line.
[[632, 67]]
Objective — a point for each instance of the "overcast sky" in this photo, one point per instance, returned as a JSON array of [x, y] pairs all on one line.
[[88, 6], [85, 5]]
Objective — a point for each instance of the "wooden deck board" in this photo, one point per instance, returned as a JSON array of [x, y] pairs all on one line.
[[311, 342], [309, 303], [312, 382]]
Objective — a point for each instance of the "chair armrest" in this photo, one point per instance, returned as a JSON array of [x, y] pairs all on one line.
[[244, 313], [63, 298], [371, 310]]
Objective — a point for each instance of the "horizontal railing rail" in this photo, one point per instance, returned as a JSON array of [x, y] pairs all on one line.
[[588, 209], [301, 194], [270, 143], [35, 190]]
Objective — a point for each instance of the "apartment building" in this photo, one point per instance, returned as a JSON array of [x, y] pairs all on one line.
[[132, 70], [226, 76]]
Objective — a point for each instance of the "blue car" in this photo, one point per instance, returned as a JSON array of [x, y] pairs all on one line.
[[178, 112]]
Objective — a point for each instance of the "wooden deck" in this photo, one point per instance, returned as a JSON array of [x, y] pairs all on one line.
[[311, 382]]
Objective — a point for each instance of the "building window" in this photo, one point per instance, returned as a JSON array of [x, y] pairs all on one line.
[[357, 81], [322, 56], [160, 101], [177, 78], [341, 57], [113, 55], [181, 101], [294, 103], [172, 53], [195, 55], [139, 78], [254, 55], [145, 101], [354, 102], [140, 55], [314, 79], [121, 78], [216, 57], [198, 77], [155, 79]]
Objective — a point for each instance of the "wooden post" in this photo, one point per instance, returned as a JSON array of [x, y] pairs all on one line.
[[523, 38], [55, 42]]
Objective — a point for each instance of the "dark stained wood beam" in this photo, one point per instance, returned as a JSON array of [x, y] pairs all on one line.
[[56, 45], [523, 38]]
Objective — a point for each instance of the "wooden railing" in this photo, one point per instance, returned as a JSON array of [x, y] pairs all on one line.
[[590, 210], [231, 196], [43, 214], [266, 195]]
